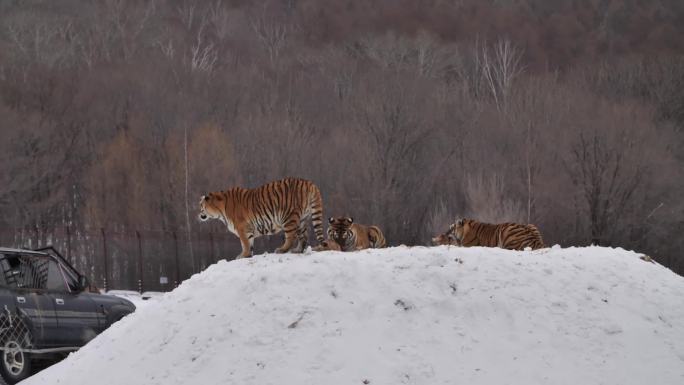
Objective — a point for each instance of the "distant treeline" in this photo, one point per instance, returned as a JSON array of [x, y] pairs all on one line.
[[568, 114]]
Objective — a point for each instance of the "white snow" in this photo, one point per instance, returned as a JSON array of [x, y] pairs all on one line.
[[442, 315], [139, 300]]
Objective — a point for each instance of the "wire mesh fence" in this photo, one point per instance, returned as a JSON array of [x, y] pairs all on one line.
[[14, 333], [133, 259], [30, 272]]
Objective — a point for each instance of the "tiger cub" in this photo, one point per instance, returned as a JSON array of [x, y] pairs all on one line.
[[350, 236], [512, 236], [284, 205]]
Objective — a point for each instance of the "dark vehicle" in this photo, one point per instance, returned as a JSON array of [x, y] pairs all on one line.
[[47, 311]]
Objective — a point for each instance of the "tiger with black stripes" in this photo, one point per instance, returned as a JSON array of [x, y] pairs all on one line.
[[284, 205], [345, 235], [512, 236]]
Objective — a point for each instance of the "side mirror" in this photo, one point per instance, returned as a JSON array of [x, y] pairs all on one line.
[[83, 283]]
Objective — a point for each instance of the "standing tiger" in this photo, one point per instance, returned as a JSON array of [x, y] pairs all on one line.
[[512, 236], [345, 235], [283, 205]]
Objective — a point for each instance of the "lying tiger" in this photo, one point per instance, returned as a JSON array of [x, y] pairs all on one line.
[[512, 236], [345, 235], [283, 205]]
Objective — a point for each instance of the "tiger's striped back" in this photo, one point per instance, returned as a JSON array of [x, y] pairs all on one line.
[[285, 204], [511, 236]]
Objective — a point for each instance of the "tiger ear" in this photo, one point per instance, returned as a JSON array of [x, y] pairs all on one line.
[[331, 220], [460, 222], [350, 219], [206, 197]]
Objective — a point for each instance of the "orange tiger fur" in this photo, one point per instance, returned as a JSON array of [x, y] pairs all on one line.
[[513, 236], [350, 236], [283, 205], [330, 244]]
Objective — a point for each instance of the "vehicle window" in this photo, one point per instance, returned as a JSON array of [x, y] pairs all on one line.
[[36, 272], [25, 271], [70, 277], [55, 277], [3, 262]]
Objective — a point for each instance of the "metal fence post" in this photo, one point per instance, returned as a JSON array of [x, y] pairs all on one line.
[[104, 253], [140, 263], [175, 243], [211, 244], [68, 244]]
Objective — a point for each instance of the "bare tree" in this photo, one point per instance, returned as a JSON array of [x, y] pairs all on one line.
[[606, 180], [187, 12], [440, 218], [488, 200], [203, 54], [271, 34], [220, 19], [128, 26], [500, 65], [422, 55]]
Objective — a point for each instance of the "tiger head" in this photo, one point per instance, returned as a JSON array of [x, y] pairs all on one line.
[[443, 239], [210, 207], [448, 238], [340, 229], [461, 228]]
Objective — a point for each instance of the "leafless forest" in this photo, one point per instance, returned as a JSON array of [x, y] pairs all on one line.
[[118, 115]]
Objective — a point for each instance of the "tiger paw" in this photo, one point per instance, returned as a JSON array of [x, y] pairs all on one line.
[[297, 250], [328, 245]]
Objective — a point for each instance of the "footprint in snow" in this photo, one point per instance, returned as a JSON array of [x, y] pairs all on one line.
[[403, 305], [612, 329]]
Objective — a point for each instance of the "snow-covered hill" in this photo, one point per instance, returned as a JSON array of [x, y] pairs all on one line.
[[402, 316]]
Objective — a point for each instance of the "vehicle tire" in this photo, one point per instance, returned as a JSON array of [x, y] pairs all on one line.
[[15, 363]]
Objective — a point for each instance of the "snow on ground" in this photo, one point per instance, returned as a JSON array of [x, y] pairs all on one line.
[[402, 316], [139, 300]]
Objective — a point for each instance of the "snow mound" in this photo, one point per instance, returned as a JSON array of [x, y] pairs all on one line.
[[441, 315]]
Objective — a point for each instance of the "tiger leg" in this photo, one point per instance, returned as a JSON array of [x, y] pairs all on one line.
[[330, 244], [316, 204], [247, 241], [377, 239], [302, 237], [290, 228], [361, 240]]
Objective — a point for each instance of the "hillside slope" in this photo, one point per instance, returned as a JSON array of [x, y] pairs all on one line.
[[402, 316]]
